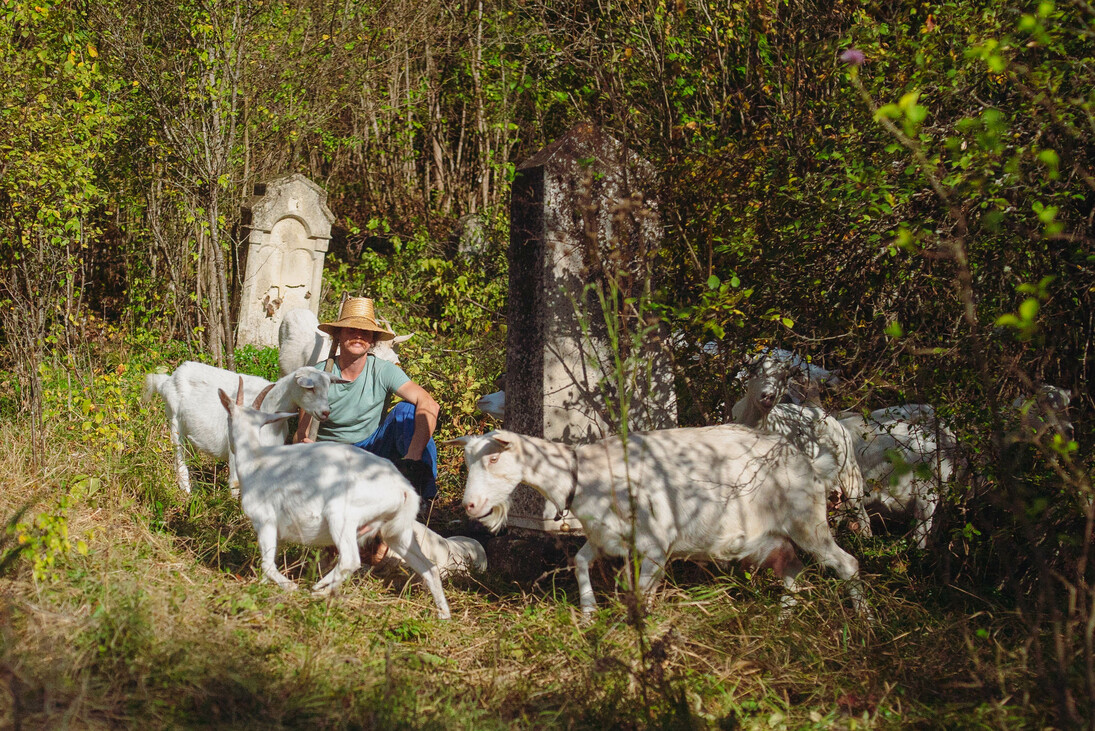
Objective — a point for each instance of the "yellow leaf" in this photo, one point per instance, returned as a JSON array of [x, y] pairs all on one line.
[[91, 51]]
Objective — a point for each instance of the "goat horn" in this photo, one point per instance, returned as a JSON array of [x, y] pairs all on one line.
[[261, 396], [239, 393]]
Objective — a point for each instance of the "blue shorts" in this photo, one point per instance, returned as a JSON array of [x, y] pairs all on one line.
[[393, 437]]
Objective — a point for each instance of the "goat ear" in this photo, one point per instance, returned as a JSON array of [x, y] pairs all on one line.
[[458, 441], [401, 338], [262, 395], [225, 400], [339, 379], [279, 416], [502, 442]]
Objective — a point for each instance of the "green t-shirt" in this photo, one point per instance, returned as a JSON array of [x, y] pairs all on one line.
[[356, 407]]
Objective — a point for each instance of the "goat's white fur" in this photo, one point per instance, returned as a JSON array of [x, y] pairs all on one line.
[[909, 436], [814, 432], [773, 374], [452, 556], [190, 399], [301, 342], [724, 492], [493, 404], [320, 494]]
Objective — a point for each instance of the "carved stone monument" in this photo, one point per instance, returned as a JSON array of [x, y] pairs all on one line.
[[290, 230], [582, 212]]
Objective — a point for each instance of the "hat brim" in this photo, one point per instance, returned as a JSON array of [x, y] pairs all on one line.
[[359, 323]]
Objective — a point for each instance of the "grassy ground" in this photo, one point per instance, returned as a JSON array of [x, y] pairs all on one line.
[[132, 605]]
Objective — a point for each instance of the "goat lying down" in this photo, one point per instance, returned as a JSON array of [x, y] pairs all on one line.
[[452, 556], [190, 399], [723, 493], [321, 494]]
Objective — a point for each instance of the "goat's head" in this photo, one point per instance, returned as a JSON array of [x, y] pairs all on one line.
[[251, 420], [494, 469], [768, 380], [385, 349], [1047, 411], [493, 404], [314, 386]]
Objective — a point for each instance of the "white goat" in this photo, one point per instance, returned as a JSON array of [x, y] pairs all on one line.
[[814, 432], [773, 374], [725, 493], [301, 342], [493, 404], [190, 399], [321, 494], [1044, 412], [452, 556], [906, 456]]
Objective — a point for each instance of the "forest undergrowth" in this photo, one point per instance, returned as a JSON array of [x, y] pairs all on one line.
[[131, 603]]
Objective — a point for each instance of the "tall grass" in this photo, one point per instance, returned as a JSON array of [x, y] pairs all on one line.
[[150, 614]]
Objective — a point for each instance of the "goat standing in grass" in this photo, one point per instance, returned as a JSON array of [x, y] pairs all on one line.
[[724, 493], [323, 494], [190, 399]]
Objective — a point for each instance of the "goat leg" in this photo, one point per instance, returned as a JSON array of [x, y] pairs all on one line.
[[268, 548], [406, 545]]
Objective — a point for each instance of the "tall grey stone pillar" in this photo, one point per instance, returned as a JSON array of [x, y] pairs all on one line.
[[290, 230], [582, 211]]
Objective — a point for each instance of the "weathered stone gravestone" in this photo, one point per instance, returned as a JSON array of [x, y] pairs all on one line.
[[582, 211], [290, 229]]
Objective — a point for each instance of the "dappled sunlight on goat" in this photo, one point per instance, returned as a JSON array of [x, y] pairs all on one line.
[[724, 493]]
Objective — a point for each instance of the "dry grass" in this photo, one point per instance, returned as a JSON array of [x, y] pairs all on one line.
[[163, 624]]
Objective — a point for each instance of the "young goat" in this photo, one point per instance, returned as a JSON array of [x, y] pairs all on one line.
[[1044, 412], [322, 494], [725, 493], [190, 399], [301, 342]]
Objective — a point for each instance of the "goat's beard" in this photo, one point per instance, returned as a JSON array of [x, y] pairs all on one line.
[[495, 520]]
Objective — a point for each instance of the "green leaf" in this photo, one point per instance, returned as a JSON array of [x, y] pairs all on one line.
[[1028, 310], [890, 111]]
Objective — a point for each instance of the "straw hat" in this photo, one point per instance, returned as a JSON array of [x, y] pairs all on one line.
[[358, 312]]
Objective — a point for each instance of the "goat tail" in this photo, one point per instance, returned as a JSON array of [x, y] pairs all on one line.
[[152, 383]]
